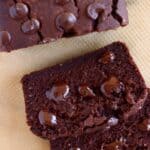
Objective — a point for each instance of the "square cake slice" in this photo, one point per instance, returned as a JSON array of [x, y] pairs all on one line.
[[134, 135], [25, 23], [95, 91]]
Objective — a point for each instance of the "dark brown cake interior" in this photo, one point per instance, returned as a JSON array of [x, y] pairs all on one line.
[[93, 92]]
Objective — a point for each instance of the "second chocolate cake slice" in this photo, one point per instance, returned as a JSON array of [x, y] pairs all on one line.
[[93, 92], [25, 23]]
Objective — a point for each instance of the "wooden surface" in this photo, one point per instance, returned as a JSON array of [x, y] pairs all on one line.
[[14, 133]]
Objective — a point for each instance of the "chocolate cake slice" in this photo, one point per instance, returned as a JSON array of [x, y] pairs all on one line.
[[25, 23], [92, 92], [134, 135]]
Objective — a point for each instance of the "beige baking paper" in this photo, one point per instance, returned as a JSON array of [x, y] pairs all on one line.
[[14, 132]]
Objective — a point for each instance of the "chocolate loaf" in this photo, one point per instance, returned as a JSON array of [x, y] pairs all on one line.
[[134, 135], [96, 91], [25, 23]]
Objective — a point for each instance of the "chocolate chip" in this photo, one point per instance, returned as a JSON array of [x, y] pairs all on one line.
[[107, 57], [19, 10], [144, 125], [95, 9], [62, 2], [112, 87], [46, 118], [58, 92], [31, 26], [5, 38], [86, 91], [113, 121], [65, 21]]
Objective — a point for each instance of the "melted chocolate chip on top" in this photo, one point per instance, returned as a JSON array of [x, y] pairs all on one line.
[[19, 11], [58, 92]]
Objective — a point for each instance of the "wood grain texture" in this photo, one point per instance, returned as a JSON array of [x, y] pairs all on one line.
[[14, 133]]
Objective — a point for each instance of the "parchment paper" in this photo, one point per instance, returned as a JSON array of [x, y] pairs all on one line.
[[14, 132]]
